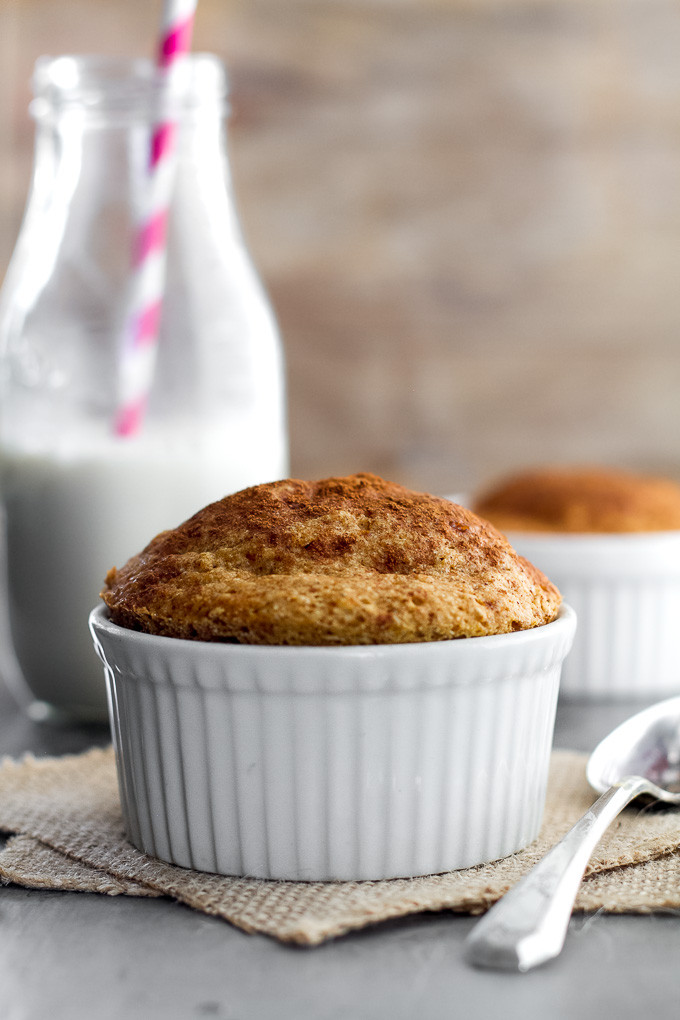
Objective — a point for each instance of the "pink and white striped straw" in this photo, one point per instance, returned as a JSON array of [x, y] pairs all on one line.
[[148, 277]]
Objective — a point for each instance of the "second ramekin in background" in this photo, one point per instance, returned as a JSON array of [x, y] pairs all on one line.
[[354, 762], [625, 589]]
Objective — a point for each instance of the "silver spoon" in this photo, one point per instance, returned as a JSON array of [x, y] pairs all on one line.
[[529, 925]]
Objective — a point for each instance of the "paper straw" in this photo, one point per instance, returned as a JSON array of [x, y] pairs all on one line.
[[140, 342]]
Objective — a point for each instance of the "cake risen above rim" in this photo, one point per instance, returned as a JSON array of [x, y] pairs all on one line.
[[581, 500], [342, 561]]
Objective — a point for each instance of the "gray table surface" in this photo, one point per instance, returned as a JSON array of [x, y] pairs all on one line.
[[81, 955]]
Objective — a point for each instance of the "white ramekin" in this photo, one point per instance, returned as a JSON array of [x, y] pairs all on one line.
[[625, 589], [359, 762]]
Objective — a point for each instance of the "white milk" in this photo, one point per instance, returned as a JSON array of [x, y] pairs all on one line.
[[69, 519]]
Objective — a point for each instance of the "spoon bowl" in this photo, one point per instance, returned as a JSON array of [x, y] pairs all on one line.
[[529, 925], [646, 745]]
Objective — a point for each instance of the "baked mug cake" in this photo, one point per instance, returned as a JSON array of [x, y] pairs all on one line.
[[340, 679], [610, 540]]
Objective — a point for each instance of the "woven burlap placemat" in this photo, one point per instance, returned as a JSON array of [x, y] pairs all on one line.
[[67, 833]]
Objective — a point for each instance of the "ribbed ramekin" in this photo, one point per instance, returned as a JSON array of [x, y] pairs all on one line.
[[625, 589], [359, 762]]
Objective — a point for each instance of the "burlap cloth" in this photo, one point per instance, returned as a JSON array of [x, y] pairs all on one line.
[[67, 833]]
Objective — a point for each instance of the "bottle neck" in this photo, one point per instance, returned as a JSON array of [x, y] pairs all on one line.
[[110, 91], [95, 123], [90, 192], [72, 140]]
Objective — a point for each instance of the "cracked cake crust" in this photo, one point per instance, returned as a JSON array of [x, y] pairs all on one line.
[[342, 561]]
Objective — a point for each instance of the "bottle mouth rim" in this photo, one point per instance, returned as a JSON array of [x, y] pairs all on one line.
[[107, 83]]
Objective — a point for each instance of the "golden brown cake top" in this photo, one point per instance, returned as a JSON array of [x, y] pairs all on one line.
[[342, 561], [581, 499]]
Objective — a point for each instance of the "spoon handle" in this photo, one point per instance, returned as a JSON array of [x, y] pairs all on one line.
[[529, 924]]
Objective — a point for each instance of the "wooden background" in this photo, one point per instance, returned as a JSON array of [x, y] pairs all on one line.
[[466, 212]]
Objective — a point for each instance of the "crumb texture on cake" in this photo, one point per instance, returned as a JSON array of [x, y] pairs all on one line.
[[343, 561], [581, 499]]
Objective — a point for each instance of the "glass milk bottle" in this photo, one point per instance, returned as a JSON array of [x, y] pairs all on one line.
[[78, 498]]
